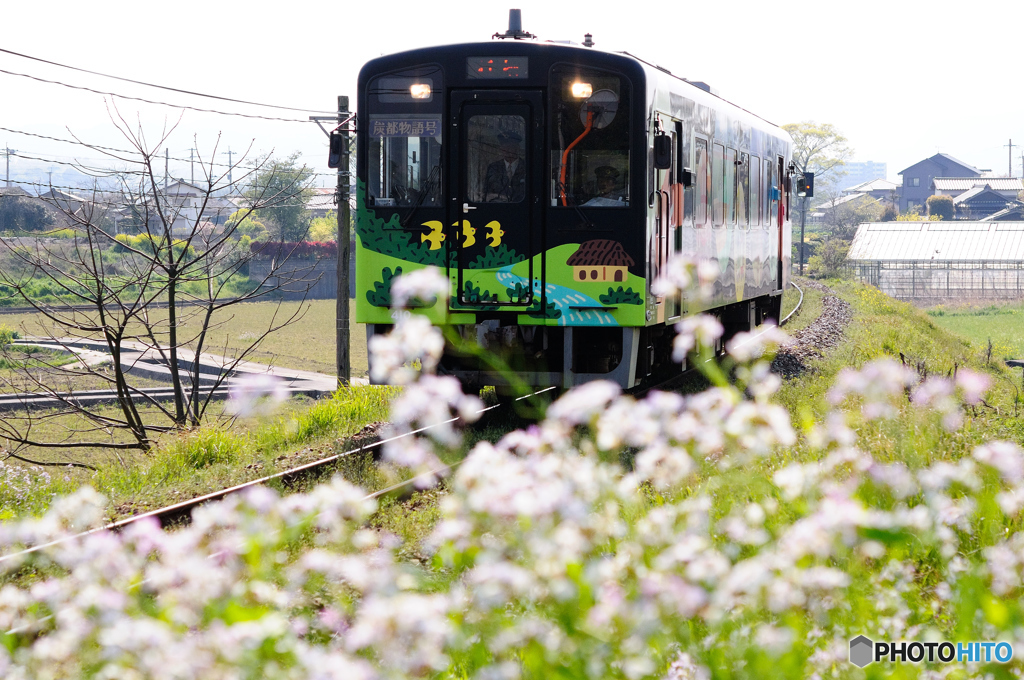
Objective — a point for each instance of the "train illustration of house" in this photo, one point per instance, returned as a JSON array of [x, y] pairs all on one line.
[[600, 260]]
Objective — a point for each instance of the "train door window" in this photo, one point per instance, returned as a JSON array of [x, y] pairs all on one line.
[[589, 138], [702, 174], [404, 138], [717, 185], [756, 191], [743, 191], [770, 194], [784, 190], [496, 159], [729, 185]]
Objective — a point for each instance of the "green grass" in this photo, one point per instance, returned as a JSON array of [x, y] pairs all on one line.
[[1003, 324], [222, 453], [810, 308], [883, 327]]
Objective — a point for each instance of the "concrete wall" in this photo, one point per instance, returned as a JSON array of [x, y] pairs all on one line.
[[322, 274]]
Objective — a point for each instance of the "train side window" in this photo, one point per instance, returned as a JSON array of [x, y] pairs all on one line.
[[717, 185], [702, 173], [756, 191], [743, 191], [769, 194], [730, 186]]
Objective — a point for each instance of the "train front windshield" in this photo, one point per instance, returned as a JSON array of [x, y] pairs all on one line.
[[589, 138], [405, 138]]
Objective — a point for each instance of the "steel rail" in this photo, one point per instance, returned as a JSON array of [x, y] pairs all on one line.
[[179, 510]]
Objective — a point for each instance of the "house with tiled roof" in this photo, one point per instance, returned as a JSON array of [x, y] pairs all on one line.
[[918, 178], [600, 260], [980, 202], [954, 186]]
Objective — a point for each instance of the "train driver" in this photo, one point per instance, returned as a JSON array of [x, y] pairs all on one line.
[[609, 190], [505, 181]]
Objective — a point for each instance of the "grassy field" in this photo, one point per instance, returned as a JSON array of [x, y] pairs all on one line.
[[308, 343], [1003, 324]]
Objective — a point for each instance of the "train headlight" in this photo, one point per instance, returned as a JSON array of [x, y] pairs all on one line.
[[582, 90], [420, 91]]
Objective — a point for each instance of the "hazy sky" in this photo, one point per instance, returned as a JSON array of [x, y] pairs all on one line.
[[902, 80]]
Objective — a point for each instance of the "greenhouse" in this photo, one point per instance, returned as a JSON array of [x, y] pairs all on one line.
[[932, 262]]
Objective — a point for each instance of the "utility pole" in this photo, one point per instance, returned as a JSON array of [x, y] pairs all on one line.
[[231, 166], [7, 153], [1009, 158], [191, 165], [803, 219], [344, 236], [167, 165]]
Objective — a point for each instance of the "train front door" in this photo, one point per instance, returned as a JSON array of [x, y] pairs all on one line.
[[496, 166]]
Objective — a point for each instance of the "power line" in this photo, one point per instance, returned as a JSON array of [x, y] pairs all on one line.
[[161, 87], [111, 171], [150, 101]]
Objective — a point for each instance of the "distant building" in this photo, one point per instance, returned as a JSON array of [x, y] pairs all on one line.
[[932, 262], [980, 202], [321, 202], [918, 178], [859, 172], [954, 186]]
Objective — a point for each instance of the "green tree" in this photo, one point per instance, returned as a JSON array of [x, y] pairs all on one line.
[[843, 214], [830, 258], [324, 228], [20, 214], [283, 186], [819, 148], [246, 224], [941, 206]]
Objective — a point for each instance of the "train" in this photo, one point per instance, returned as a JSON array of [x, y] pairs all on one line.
[[552, 182]]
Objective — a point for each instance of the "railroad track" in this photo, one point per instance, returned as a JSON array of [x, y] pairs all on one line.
[[181, 512]]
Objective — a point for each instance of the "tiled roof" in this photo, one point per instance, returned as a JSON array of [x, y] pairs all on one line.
[[965, 183], [872, 185]]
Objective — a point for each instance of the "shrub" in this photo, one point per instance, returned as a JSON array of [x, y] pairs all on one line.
[[940, 207]]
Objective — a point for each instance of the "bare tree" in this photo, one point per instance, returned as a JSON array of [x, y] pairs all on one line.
[[134, 295]]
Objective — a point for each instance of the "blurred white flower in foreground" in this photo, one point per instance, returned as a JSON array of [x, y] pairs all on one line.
[[257, 394]]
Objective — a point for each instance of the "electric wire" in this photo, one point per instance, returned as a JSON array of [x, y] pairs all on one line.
[[151, 101], [161, 87]]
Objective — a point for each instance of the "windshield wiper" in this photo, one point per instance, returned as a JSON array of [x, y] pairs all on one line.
[[426, 189]]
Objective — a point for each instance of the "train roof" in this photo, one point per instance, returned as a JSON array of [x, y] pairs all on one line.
[[622, 60]]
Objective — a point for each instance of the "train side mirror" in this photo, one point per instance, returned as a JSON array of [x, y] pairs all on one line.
[[337, 150], [662, 151], [686, 178]]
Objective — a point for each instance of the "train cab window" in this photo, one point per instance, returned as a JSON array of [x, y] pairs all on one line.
[[589, 138], [496, 159], [743, 190], [718, 185], [756, 191], [702, 174], [404, 138]]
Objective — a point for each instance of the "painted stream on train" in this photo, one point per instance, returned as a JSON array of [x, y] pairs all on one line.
[[564, 299]]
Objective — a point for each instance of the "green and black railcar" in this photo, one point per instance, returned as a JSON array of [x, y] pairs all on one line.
[[552, 183]]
